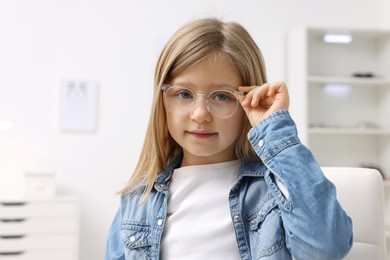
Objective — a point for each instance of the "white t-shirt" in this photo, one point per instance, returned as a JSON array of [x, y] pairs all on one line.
[[199, 225]]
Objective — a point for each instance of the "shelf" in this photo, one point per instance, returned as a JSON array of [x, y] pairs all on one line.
[[353, 131], [328, 79]]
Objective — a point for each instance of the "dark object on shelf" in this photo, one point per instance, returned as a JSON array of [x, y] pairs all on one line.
[[363, 75]]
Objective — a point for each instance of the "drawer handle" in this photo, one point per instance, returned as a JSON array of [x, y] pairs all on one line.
[[13, 203], [13, 220], [12, 253], [12, 237]]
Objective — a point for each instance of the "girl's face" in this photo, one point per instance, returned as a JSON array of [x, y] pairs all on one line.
[[204, 137]]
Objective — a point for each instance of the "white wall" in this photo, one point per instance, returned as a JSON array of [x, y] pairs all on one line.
[[386, 13], [116, 42]]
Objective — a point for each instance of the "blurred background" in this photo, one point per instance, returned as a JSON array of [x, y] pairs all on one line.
[[109, 49]]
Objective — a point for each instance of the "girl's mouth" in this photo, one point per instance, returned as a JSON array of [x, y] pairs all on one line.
[[201, 134]]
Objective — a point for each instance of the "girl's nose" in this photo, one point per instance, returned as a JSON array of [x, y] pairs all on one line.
[[199, 112]]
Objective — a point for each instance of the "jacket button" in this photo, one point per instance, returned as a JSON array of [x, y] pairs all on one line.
[[236, 218], [160, 222], [261, 143], [132, 239]]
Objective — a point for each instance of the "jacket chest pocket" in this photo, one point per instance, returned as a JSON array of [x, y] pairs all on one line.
[[136, 237], [266, 231]]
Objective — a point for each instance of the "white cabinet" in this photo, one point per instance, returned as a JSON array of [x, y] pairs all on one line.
[[340, 96], [39, 229]]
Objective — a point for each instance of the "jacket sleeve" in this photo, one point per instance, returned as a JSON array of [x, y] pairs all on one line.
[[114, 245], [316, 226]]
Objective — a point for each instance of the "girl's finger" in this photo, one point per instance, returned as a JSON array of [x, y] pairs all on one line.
[[258, 94], [254, 94], [245, 100]]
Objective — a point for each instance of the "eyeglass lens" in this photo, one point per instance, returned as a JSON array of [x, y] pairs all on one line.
[[220, 103]]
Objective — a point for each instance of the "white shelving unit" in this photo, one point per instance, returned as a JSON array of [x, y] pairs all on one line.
[[342, 118], [345, 120]]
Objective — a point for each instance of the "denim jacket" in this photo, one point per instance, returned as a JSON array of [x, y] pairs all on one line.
[[309, 223]]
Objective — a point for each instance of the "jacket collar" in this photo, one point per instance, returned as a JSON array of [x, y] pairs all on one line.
[[247, 168], [165, 174]]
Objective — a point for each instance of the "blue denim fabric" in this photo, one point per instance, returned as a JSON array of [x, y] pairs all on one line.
[[310, 224]]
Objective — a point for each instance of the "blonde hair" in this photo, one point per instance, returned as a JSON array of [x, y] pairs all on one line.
[[191, 44]]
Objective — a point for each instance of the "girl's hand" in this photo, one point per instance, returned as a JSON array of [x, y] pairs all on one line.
[[261, 101]]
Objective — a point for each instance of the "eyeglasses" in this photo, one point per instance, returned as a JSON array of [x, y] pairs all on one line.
[[181, 100]]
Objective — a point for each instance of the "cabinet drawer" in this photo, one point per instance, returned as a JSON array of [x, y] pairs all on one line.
[[39, 255], [37, 242], [38, 226], [37, 209]]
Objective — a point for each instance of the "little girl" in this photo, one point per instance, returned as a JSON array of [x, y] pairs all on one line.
[[222, 173]]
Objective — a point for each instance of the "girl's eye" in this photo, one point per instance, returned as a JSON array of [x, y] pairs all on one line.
[[223, 96], [184, 94]]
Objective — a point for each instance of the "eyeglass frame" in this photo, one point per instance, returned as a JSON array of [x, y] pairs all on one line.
[[237, 95]]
